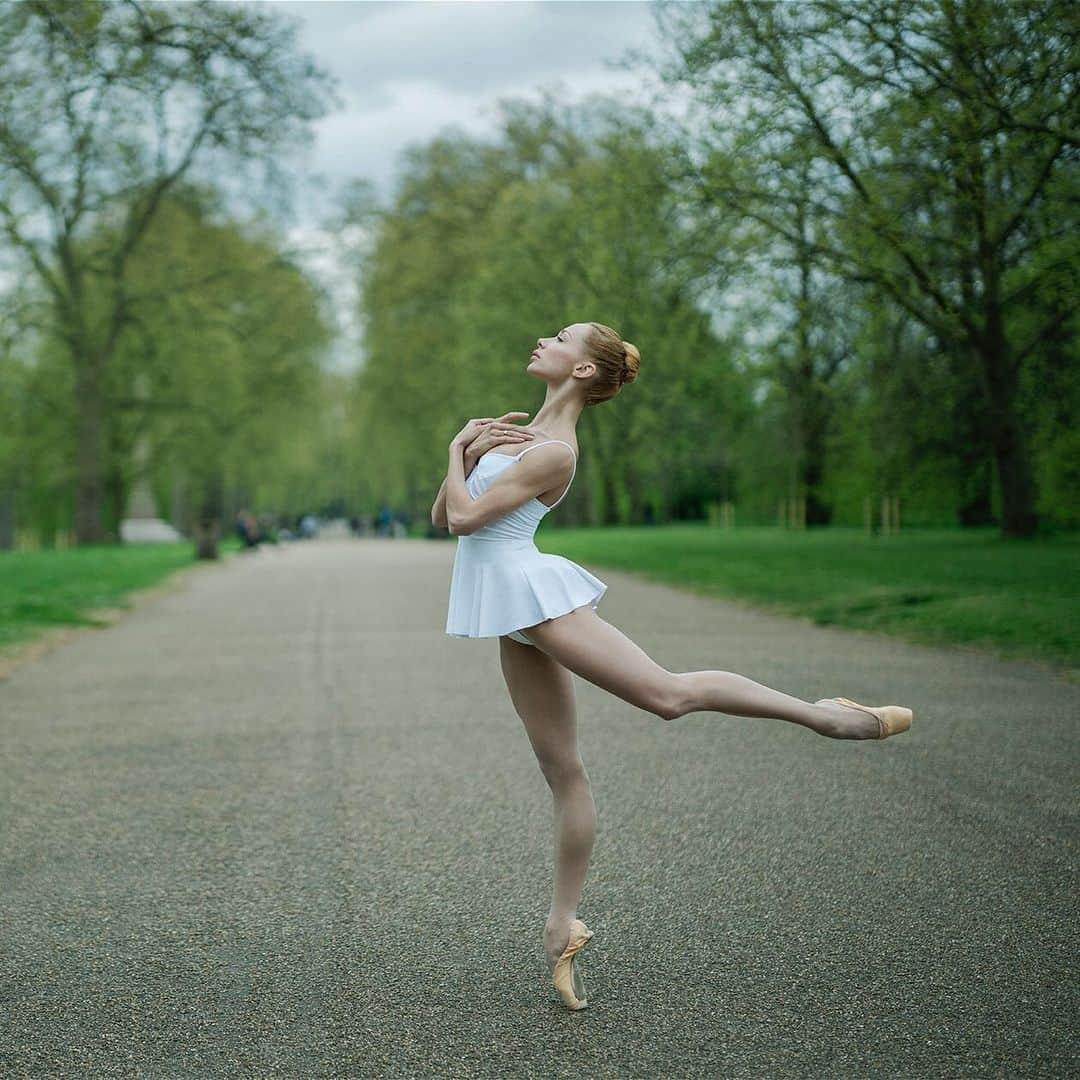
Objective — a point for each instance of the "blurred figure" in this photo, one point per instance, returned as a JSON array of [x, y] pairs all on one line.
[[247, 528], [309, 527], [267, 529], [384, 520]]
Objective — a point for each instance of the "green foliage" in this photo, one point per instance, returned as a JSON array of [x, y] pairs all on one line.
[[851, 272], [218, 377], [227, 364], [106, 110], [843, 277], [925, 154], [567, 216]]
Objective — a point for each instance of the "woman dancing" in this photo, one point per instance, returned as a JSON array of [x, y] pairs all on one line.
[[542, 608]]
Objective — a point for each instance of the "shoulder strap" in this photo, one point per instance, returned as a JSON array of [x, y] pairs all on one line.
[[545, 443], [572, 471]]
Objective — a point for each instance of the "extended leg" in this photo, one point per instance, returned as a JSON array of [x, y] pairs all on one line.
[[543, 695], [591, 647]]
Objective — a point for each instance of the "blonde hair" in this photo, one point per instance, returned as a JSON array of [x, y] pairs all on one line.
[[617, 362]]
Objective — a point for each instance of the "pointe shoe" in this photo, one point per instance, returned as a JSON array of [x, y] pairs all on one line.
[[567, 978], [892, 719]]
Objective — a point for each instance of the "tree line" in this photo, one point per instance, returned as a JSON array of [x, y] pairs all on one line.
[[851, 270], [850, 266]]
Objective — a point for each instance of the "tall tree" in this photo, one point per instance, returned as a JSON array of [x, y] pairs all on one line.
[[222, 371], [104, 107], [942, 135]]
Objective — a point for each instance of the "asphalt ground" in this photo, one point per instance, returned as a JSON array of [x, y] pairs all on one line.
[[275, 822]]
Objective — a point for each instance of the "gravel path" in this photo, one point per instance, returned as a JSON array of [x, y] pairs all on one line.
[[277, 823]]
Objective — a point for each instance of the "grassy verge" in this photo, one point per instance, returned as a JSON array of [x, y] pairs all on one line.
[[42, 590], [1018, 599]]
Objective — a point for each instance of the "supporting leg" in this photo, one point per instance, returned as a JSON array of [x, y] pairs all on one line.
[[543, 695], [575, 834]]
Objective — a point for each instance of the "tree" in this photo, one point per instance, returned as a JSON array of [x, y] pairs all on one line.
[[935, 140], [222, 369], [104, 108]]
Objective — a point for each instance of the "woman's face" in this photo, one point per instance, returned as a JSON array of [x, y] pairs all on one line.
[[561, 353]]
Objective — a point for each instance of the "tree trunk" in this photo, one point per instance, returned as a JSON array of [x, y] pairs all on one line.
[[116, 499], [611, 501], [970, 440], [818, 512], [809, 399], [180, 514], [89, 482], [1018, 514], [1019, 517], [978, 506], [208, 524], [7, 517], [637, 499]]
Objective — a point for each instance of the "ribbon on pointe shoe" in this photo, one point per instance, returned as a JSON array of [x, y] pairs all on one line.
[[883, 729], [563, 973]]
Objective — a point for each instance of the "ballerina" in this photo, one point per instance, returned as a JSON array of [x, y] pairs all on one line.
[[542, 608]]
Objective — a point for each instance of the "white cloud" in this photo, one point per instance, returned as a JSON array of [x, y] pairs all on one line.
[[467, 47], [408, 70]]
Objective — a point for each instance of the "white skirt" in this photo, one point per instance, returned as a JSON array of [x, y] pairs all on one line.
[[497, 587]]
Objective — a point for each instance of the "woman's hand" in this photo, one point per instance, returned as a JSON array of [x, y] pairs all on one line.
[[497, 433], [479, 435]]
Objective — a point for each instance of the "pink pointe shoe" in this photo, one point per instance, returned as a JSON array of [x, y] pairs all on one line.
[[892, 719], [566, 976]]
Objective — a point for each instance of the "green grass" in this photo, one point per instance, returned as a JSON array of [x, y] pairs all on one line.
[[1019, 599], [44, 589]]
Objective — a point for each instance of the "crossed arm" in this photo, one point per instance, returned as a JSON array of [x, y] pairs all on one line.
[[438, 509], [456, 510]]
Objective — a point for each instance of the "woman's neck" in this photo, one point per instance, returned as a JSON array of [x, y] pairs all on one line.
[[558, 418]]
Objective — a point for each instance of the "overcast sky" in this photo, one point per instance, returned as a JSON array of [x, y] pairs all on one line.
[[410, 68]]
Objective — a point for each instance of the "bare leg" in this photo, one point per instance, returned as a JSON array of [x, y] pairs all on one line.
[[591, 647], [543, 695]]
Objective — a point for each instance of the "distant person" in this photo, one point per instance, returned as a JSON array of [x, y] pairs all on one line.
[[542, 608], [384, 520], [247, 528], [268, 529]]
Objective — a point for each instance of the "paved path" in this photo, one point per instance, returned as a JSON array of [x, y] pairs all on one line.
[[277, 823]]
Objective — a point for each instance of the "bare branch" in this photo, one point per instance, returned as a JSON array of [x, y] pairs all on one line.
[[1042, 334], [882, 220], [1037, 187]]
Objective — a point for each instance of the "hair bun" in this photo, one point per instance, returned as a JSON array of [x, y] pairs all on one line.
[[631, 362]]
